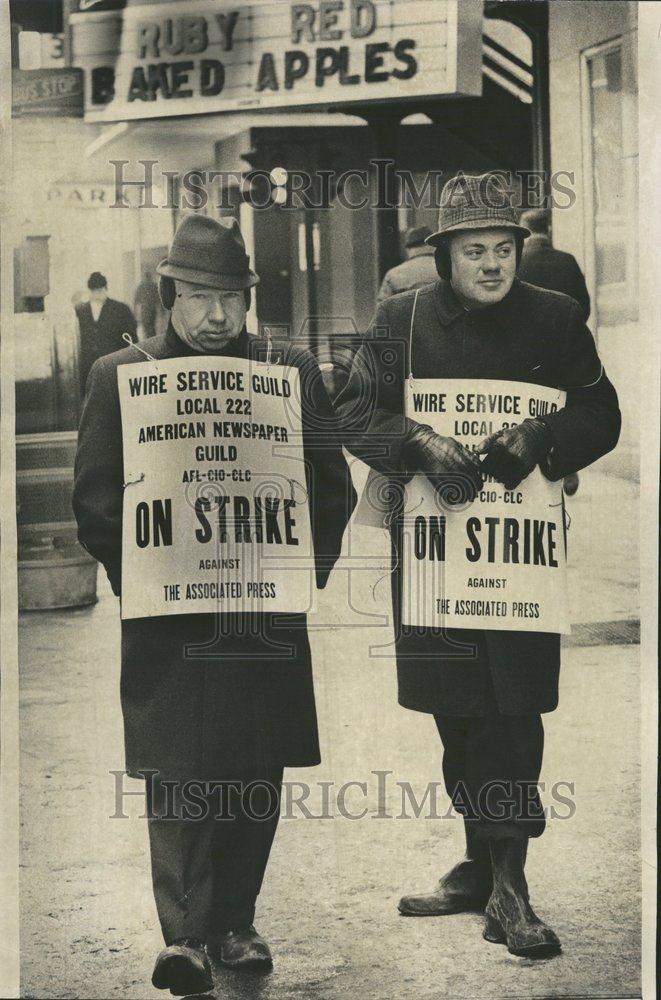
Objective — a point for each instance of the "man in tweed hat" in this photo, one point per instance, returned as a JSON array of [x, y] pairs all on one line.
[[480, 322], [226, 723]]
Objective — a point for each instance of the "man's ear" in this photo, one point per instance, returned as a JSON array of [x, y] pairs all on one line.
[[518, 238], [166, 291], [247, 296], [442, 261]]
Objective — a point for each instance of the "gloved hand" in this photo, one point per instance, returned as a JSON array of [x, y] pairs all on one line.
[[513, 453], [449, 467]]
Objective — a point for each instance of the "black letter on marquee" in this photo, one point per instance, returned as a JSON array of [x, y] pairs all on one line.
[[302, 20], [328, 61], [267, 76], [402, 53], [180, 71], [103, 84], [226, 24], [138, 86], [347, 79], [373, 62], [361, 28], [157, 76], [212, 77], [297, 64]]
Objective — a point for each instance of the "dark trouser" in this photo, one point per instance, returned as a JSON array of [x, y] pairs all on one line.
[[491, 766], [207, 872]]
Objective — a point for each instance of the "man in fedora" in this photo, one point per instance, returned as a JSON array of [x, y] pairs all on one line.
[[233, 719], [417, 270], [480, 322]]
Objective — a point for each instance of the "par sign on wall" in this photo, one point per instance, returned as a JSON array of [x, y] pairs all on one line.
[[200, 56]]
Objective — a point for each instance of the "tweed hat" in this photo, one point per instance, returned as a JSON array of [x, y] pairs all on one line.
[[476, 201], [417, 235], [207, 252]]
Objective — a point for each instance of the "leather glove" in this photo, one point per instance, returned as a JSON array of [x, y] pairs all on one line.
[[513, 453], [451, 469]]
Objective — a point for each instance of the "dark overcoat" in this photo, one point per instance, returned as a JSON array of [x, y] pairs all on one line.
[[243, 701], [102, 336], [543, 265], [530, 336]]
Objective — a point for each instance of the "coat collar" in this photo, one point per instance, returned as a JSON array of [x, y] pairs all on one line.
[[449, 308], [87, 306]]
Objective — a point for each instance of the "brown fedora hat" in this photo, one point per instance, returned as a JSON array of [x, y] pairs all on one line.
[[480, 201], [208, 252]]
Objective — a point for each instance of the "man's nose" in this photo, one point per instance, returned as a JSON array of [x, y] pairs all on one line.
[[217, 313], [490, 263]]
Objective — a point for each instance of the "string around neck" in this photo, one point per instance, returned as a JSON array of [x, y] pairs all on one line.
[[415, 306], [127, 337]]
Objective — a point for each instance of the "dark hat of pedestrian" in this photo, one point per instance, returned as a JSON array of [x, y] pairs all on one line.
[[208, 252], [538, 220], [96, 280], [417, 235]]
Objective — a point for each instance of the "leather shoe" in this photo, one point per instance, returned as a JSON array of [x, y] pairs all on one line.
[[242, 949], [466, 887], [183, 968]]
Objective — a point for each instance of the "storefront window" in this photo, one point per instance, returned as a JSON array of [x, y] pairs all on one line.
[[613, 163]]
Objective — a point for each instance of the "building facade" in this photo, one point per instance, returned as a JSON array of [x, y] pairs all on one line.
[[227, 109], [593, 76]]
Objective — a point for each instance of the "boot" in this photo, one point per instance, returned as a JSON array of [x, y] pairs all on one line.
[[509, 917], [467, 886]]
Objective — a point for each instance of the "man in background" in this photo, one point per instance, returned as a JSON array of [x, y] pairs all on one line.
[[146, 305], [543, 265], [102, 322], [417, 270]]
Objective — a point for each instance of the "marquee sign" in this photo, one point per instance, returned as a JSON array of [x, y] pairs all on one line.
[[176, 58]]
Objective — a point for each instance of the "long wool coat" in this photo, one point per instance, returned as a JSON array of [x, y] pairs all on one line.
[[532, 336], [543, 265], [102, 336], [245, 701]]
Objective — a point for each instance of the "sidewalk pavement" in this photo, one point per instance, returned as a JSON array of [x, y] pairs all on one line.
[[328, 906]]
